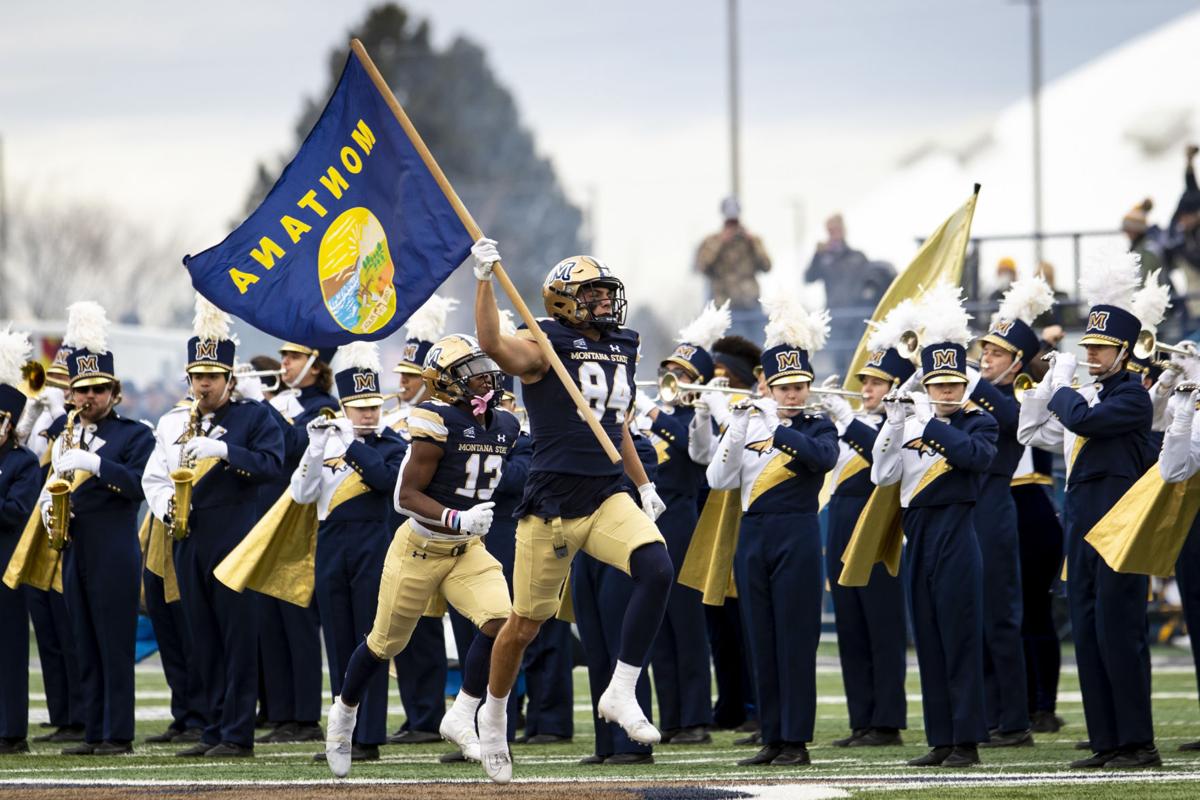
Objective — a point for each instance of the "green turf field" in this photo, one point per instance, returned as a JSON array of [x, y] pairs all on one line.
[[1027, 772]]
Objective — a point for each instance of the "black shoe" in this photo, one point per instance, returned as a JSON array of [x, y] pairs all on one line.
[[112, 749], [749, 726], [628, 759], [230, 750], [195, 751], [453, 757], [166, 737], [81, 749], [306, 732], [360, 752], [10, 747], [857, 733], [1096, 760], [188, 736], [65, 734], [696, 735], [933, 758], [1046, 722], [878, 737], [414, 737], [963, 755], [591, 760], [281, 733], [1010, 739], [753, 739], [1136, 759], [792, 755], [1186, 747], [665, 736], [547, 738], [1083, 745], [765, 755]]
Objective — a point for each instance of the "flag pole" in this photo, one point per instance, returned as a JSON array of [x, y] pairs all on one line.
[[476, 233]]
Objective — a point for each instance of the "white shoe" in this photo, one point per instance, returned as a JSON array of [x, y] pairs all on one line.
[[459, 730], [626, 712], [339, 729], [493, 749]]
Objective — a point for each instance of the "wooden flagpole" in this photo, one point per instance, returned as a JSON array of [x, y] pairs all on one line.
[[476, 233]]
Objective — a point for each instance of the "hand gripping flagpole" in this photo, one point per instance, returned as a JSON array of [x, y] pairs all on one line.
[[468, 222]]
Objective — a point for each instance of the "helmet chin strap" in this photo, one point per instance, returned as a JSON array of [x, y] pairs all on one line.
[[292, 384]]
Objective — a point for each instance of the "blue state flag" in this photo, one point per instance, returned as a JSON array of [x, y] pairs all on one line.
[[354, 236]]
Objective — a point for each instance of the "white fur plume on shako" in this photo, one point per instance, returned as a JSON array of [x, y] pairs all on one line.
[[14, 354], [356, 372], [793, 334]]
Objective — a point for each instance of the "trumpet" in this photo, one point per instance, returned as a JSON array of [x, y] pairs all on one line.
[[909, 345], [671, 389], [1147, 345], [60, 492], [1024, 383], [33, 378], [277, 374]]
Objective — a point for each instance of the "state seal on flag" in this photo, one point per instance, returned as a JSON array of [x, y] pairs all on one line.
[[355, 270]]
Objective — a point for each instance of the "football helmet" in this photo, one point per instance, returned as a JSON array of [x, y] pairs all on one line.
[[568, 278], [451, 364]]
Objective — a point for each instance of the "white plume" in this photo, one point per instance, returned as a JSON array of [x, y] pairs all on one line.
[[789, 322], [15, 350], [1026, 300], [943, 316], [210, 323], [1110, 278], [508, 322], [87, 327], [428, 322], [356, 355], [1151, 302], [906, 316], [709, 326]]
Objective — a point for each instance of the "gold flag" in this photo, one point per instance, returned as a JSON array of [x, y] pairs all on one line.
[[708, 565], [1144, 532], [33, 562], [160, 557], [939, 259], [278, 557], [877, 537]]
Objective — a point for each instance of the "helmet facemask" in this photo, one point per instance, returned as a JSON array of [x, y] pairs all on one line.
[[454, 381], [585, 312]]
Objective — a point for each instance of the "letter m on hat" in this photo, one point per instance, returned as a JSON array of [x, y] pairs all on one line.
[[364, 382], [1098, 321], [87, 364], [206, 351], [788, 359], [945, 359]]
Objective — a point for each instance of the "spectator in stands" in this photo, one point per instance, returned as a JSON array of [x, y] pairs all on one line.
[[1006, 273], [731, 260], [1182, 242], [1144, 239]]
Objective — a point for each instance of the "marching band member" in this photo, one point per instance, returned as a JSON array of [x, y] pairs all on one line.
[[1006, 351], [938, 455], [1104, 433], [349, 469], [102, 456], [456, 459], [1150, 304], [421, 666], [233, 446], [20, 481], [870, 620], [573, 499], [680, 658], [778, 456], [288, 635]]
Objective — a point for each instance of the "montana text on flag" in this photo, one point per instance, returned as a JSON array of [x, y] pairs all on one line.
[[354, 236]]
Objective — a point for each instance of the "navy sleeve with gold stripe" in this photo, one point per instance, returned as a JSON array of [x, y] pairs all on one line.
[[814, 449]]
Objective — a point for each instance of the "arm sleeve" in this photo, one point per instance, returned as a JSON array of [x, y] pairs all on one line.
[[725, 471], [123, 475], [886, 462], [1004, 408], [23, 490], [816, 452], [1123, 411], [1161, 404], [702, 440], [370, 463], [971, 449], [261, 460], [1180, 456], [306, 479], [156, 479], [1035, 426], [861, 438], [674, 433]]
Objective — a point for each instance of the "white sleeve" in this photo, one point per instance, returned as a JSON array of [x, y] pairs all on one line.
[[1180, 456], [725, 470], [1161, 403], [887, 459], [306, 480], [701, 441], [37, 443], [156, 480], [1035, 426]]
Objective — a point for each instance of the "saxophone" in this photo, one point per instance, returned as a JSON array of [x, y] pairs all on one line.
[[60, 492], [184, 478]]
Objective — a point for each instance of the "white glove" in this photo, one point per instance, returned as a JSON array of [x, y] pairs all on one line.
[[770, 411], [56, 401], [1181, 423], [318, 436], [344, 429], [73, 459], [700, 406], [652, 504], [476, 520], [1167, 380], [486, 257], [832, 382], [643, 404], [973, 378], [838, 409], [251, 388], [1063, 371], [206, 447], [922, 407], [895, 410], [46, 516], [717, 404]]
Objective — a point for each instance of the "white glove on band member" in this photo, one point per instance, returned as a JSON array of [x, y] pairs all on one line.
[[1064, 370], [717, 404], [250, 387], [896, 412], [1181, 422], [318, 437], [486, 257], [46, 516], [838, 409], [922, 406], [206, 447], [76, 459], [652, 504], [643, 404]]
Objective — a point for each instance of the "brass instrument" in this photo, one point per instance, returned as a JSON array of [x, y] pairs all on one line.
[[34, 378], [1054, 353], [1024, 383], [184, 478], [277, 374], [1147, 345], [671, 389], [60, 492], [909, 346]]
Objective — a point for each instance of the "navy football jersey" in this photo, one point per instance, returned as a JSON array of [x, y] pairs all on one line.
[[472, 454], [603, 369]]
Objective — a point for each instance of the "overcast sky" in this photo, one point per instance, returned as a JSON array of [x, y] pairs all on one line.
[[163, 109]]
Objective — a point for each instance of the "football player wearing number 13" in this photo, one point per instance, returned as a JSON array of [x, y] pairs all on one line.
[[573, 498]]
